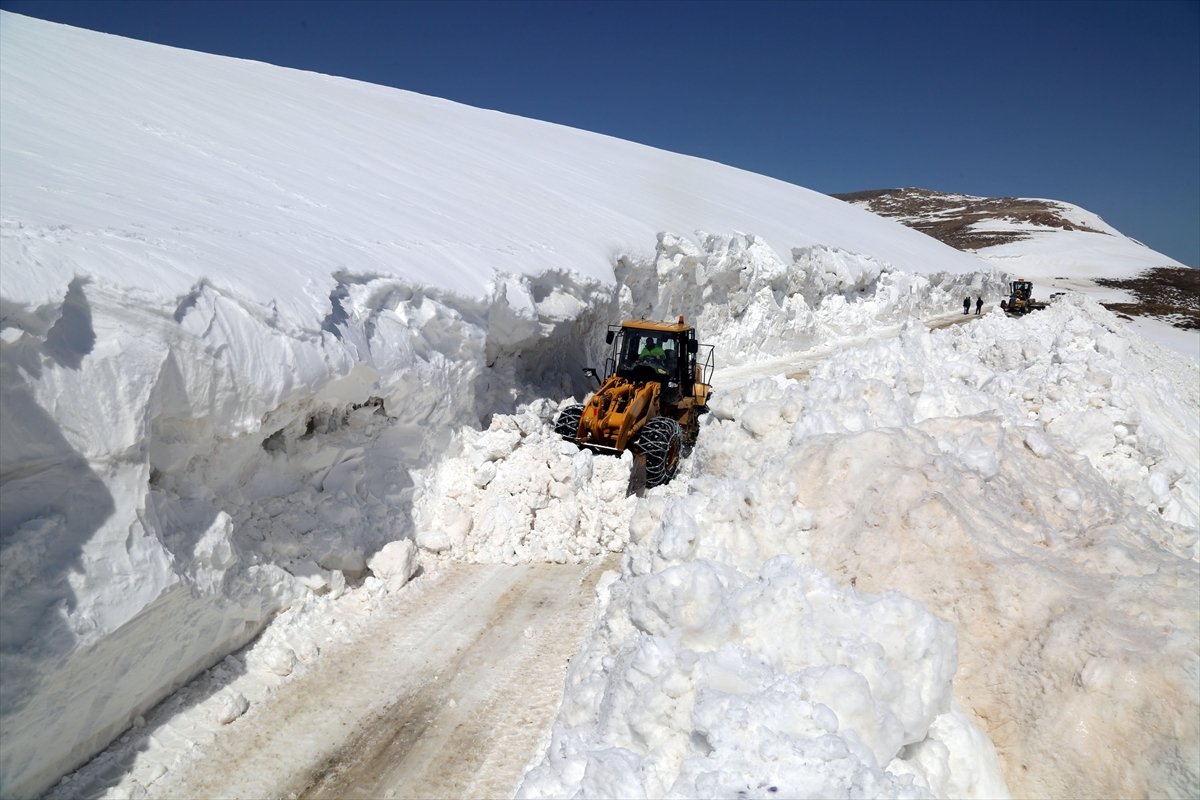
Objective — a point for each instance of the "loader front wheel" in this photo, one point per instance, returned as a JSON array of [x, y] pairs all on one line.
[[661, 440], [567, 424]]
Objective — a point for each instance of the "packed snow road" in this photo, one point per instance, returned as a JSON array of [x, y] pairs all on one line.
[[491, 649], [796, 366], [448, 693]]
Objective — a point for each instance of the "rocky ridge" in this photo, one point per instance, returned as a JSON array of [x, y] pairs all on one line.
[[973, 224]]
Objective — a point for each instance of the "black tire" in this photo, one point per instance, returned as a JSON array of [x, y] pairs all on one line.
[[661, 441], [567, 424]]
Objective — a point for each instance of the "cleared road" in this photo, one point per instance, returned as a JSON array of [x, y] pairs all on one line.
[[449, 698]]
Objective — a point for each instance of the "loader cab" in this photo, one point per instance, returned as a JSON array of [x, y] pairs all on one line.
[[645, 354], [647, 350], [649, 355]]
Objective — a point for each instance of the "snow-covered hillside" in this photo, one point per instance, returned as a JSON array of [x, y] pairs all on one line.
[[1043, 235], [1059, 246], [259, 323]]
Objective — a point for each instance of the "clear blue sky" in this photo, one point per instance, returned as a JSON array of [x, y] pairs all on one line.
[[1096, 104]]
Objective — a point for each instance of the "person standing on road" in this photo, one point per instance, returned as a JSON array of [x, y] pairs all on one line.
[[967, 305], [978, 305]]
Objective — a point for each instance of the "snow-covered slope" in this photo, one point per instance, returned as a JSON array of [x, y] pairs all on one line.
[[258, 323], [148, 163]]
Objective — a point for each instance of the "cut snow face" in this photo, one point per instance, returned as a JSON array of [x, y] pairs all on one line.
[[516, 491]]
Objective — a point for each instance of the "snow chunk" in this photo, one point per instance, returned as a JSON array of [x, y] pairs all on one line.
[[395, 563], [231, 706]]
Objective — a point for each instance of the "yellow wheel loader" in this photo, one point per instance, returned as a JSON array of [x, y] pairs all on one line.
[[656, 385]]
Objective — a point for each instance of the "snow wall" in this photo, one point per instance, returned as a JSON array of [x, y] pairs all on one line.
[[174, 477]]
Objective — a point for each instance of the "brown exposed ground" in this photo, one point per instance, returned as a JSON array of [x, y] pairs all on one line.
[[949, 217], [1171, 293]]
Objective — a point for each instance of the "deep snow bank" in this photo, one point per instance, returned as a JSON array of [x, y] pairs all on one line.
[[173, 477], [1030, 480], [707, 681], [515, 491], [171, 480], [726, 662]]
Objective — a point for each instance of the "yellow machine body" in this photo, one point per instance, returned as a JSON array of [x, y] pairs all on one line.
[[1020, 298], [616, 412], [656, 385]]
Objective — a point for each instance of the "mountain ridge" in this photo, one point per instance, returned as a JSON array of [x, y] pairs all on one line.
[[1022, 234], [950, 217]]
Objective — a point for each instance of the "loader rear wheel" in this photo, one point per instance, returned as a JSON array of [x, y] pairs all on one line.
[[661, 440], [567, 424]]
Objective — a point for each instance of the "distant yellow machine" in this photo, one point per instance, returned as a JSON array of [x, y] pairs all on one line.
[[1020, 298], [656, 386]]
